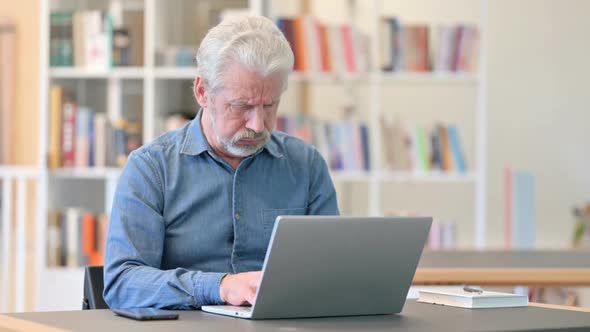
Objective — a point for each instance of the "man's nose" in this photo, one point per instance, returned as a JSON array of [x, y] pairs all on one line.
[[256, 119]]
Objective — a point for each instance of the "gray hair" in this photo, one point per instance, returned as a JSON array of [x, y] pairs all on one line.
[[252, 41]]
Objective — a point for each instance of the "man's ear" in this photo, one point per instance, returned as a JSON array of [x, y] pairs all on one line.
[[200, 92]]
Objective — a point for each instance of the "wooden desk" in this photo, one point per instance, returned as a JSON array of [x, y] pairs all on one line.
[[505, 268], [416, 317]]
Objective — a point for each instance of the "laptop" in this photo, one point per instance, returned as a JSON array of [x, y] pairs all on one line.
[[320, 266]]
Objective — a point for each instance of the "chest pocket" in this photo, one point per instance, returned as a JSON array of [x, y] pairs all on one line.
[[269, 217]]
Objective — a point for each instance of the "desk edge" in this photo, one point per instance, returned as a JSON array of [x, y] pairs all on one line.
[[17, 324]]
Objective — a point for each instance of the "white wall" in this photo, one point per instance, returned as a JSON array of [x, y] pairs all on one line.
[[539, 109]]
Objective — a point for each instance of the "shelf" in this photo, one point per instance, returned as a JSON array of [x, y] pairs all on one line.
[[437, 77], [18, 171], [387, 77], [397, 176], [86, 173], [433, 177], [350, 176], [190, 73], [328, 77], [187, 73], [120, 72]]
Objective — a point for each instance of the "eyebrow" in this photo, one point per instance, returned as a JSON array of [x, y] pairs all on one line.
[[245, 101]]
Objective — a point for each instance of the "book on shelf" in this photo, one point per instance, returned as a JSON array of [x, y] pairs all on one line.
[[520, 205], [81, 137], [457, 297], [343, 144], [318, 47], [421, 48], [581, 236], [7, 58], [133, 22], [176, 56], [61, 49], [121, 47], [443, 235], [75, 238], [423, 150], [88, 39]]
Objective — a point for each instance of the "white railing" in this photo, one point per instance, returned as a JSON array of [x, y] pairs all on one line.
[[13, 236]]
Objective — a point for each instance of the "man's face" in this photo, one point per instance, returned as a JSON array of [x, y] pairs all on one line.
[[243, 111]]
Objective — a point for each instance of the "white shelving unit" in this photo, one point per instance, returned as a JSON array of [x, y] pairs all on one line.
[[152, 78], [377, 81], [477, 175]]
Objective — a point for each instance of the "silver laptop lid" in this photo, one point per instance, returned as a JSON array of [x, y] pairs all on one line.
[[338, 266]]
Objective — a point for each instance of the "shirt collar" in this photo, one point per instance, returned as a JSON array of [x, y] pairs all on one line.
[[195, 143]]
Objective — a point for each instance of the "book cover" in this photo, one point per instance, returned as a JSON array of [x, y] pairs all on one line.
[[348, 47], [519, 205], [101, 236], [457, 297], [81, 149], [386, 44], [68, 139], [72, 236], [523, 210], [447, 162], [456, 150], [365, 147], [54, 243], [336, 49], [300, 44], [100, 139]]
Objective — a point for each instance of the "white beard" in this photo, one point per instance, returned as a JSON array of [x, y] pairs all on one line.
[[232, 146]]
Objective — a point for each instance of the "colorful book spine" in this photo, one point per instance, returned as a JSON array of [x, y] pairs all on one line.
[[69, 134], [75, 238], [520, 208]]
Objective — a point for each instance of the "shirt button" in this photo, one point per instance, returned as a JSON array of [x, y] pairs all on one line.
[[237, 216]]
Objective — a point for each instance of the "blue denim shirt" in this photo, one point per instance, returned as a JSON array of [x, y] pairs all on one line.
[[182, 217]]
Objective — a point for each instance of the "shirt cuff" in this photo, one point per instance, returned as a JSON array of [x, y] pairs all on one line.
[[207, 288]]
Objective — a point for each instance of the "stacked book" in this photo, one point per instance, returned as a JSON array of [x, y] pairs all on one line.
[[420, 48], [343, 144], [415, 148], [81, 137], [89, 39], [325, 48]]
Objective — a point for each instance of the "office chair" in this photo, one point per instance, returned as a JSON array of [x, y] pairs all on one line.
[[93, 286]]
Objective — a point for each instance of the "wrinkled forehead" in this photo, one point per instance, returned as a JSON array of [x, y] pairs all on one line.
[[240, 83]]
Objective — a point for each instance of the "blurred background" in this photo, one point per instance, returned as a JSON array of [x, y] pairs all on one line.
[[474, 112]]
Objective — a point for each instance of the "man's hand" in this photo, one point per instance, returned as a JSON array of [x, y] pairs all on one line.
[[237, 289]]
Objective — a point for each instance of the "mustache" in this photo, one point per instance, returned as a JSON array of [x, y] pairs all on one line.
[[251, 134]]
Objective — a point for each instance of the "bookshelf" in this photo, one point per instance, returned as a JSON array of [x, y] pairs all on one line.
[[370, 94], [154, 87]]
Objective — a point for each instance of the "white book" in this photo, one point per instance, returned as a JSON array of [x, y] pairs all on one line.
[[312, 44], [336, 49], [82, 148], [459, 298], [100, 139]]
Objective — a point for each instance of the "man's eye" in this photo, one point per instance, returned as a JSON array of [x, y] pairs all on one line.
[[241, 107]]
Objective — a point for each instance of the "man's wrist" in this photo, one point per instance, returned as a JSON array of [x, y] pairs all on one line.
[[222, 296], [207, 291]]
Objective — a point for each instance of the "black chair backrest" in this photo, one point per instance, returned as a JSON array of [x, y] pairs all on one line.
[[93, 286]]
